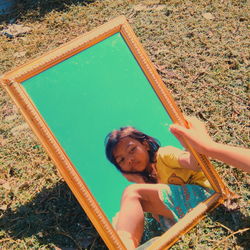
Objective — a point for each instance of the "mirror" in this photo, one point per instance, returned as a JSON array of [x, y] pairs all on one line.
[[74, 96]]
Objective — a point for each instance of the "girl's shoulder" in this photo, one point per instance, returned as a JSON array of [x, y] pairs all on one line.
[[169, 156], [169, 150]]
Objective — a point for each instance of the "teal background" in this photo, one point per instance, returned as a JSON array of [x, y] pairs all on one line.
[[90, 94]]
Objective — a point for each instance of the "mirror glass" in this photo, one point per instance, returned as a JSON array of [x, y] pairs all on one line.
[[87, 96]]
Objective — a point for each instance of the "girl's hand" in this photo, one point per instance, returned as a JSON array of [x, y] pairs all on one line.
[[199, 139], [196, 135], [134, 178]]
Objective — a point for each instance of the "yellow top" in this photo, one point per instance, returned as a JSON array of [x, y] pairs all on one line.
[[170, 171]]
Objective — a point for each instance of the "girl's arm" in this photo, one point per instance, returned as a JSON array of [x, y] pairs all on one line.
[[198, 137], [237, 157]]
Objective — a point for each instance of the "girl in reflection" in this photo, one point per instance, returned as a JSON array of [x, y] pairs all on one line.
[[140, 159]]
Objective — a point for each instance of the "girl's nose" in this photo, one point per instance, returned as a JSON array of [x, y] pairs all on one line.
[[131, 161]]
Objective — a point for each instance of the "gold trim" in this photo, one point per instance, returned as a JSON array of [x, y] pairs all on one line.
[[185, 223], [65, 166], [151, 74], [11, 82], [168, 102], [65, 51]]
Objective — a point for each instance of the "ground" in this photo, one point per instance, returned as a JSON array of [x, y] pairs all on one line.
[[200, 49]]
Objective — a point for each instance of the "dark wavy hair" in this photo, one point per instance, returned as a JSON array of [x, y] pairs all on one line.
[[113, 138]]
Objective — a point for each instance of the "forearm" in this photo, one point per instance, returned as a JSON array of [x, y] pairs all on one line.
[[234, 156]]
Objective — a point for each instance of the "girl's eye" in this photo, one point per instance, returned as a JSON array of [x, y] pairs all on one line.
[[120, 161], [132, 150]]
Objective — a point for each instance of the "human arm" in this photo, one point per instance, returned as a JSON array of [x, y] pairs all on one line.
[[234, 156], [199, 139]]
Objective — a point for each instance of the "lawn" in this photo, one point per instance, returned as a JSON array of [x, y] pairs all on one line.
[[201, 49]]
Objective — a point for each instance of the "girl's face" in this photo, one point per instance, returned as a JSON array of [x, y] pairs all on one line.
[[131, 155]]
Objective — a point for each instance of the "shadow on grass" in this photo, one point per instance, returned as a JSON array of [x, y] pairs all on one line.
[[39, 8], [235, 221], [53, 218]]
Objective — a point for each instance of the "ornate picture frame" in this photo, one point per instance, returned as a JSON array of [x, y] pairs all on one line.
[[13, 83]]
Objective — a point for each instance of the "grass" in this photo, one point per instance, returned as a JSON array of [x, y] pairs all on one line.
[[204, 61]]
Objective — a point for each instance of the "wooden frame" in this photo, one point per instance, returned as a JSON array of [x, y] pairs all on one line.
[[12, 82]]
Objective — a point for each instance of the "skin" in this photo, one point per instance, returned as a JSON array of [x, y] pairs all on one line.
[[131, 155], [198, 138], [137, 199]]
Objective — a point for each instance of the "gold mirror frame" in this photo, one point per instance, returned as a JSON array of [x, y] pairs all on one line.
[[11, 83]]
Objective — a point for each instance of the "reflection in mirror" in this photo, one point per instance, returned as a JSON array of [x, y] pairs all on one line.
[[170, 182], [76, 102], [98, 101]]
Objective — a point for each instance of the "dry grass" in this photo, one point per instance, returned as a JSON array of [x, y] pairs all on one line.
[[203, 59]]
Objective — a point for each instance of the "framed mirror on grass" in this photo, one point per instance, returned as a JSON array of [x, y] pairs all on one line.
[[75, 95]]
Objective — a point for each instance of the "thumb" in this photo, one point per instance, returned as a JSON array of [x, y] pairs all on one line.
[[178, 130]]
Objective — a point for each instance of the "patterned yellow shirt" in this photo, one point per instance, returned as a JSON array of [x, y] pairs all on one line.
[[170, 171]]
